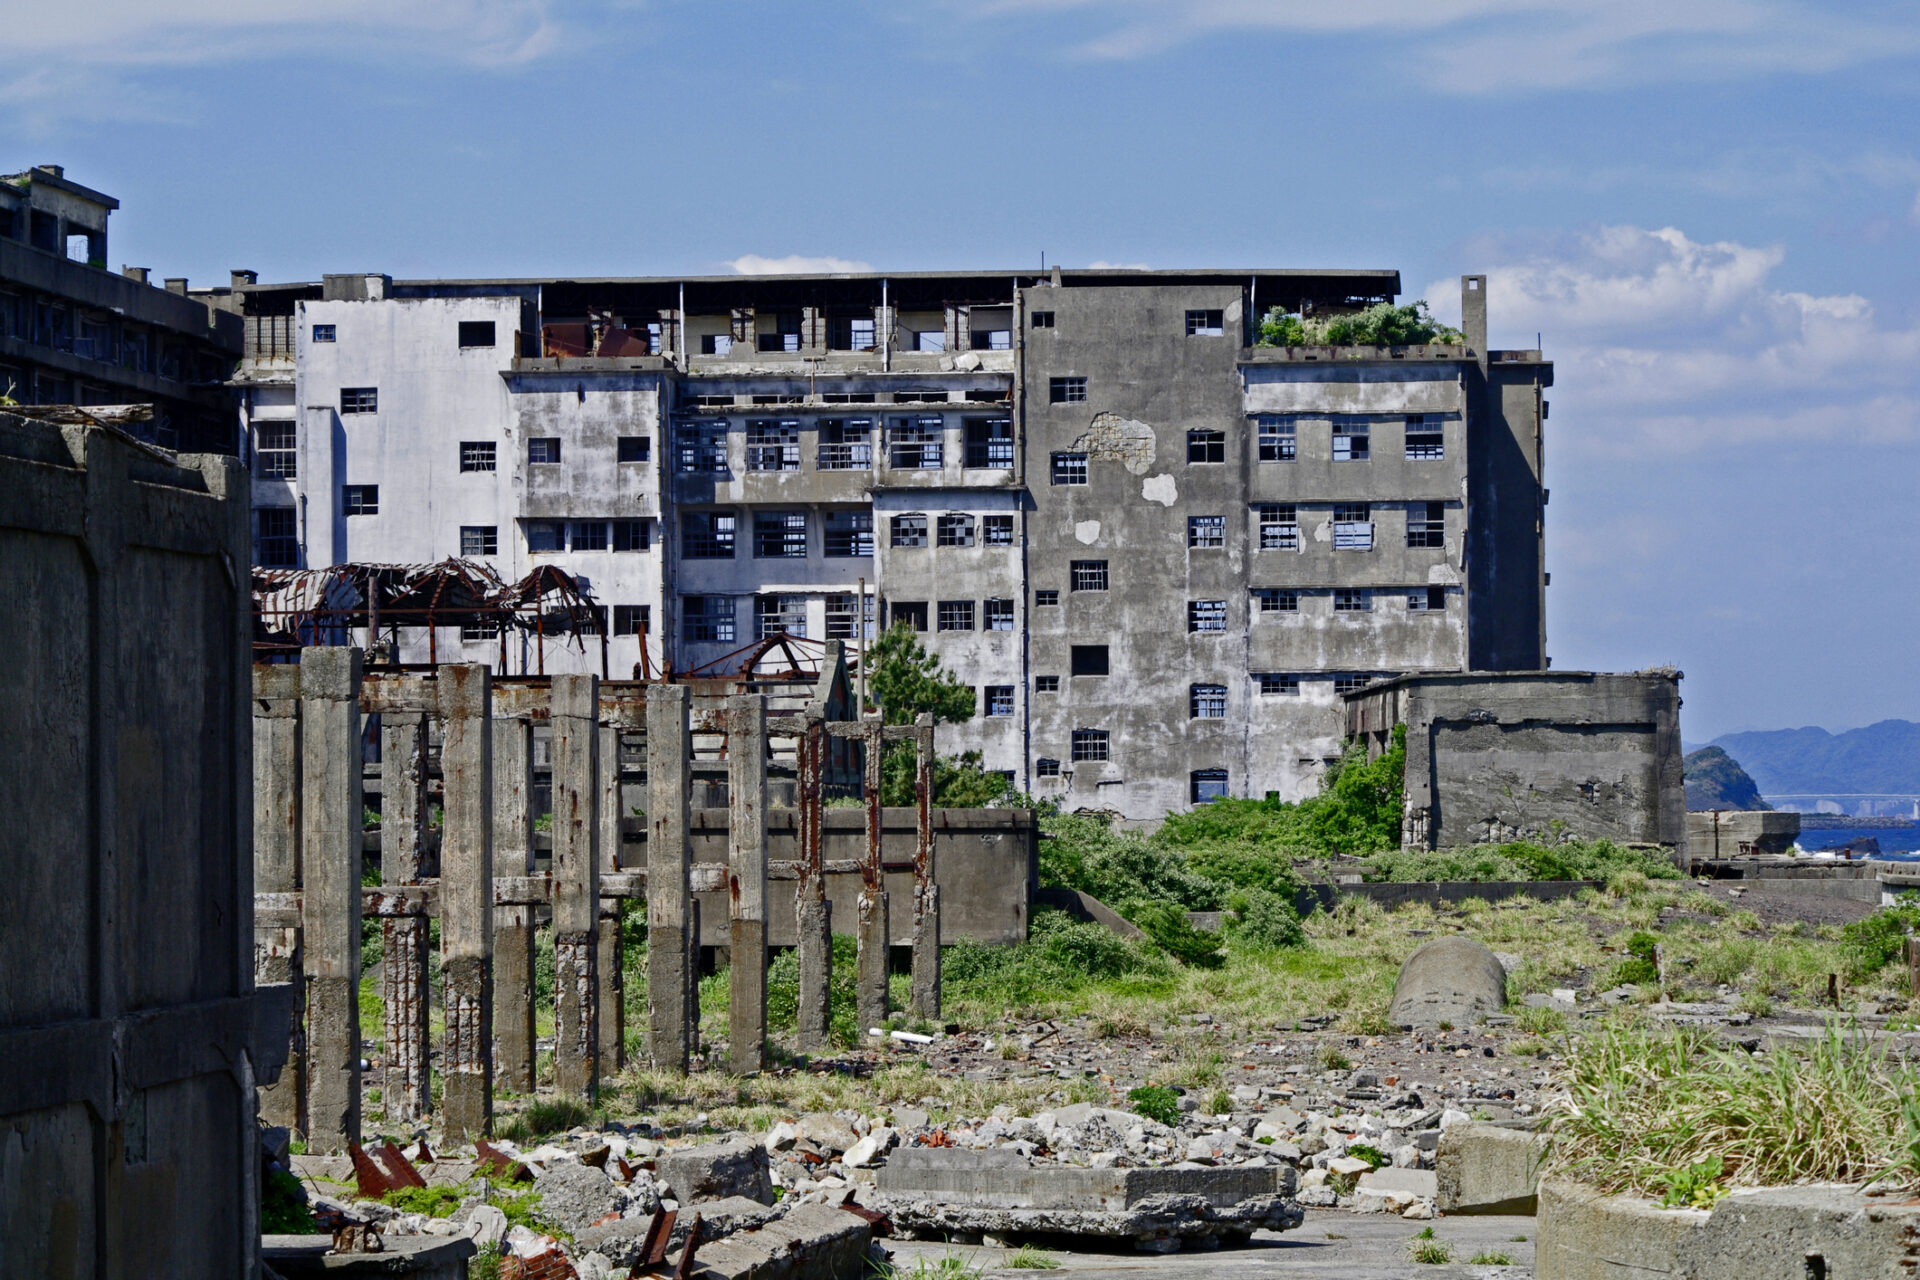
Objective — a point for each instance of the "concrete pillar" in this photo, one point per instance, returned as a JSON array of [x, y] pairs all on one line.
[[669, 785], [403, 769], [747, 882], [926, 894], [870, 964], [575, 718], [613, 948], [276, 869], [513, 927], [813, 918], [330, 824], [466, 897]]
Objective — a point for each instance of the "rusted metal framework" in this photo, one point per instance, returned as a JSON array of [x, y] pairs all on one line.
[[295, 609]]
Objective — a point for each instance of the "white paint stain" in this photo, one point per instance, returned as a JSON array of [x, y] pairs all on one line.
[[1160, 489], [1087, 531], [1323, 532]]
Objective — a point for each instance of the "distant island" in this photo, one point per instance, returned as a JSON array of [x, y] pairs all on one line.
[[1880, 758], [1715, 780]]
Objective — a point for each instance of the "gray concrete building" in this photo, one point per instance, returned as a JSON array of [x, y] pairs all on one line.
[[1159, 552], [73, 332]]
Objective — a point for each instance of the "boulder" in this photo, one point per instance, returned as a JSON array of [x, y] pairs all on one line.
[[737, 1167], [827, 1131], [575, 1196], [1453, 980]]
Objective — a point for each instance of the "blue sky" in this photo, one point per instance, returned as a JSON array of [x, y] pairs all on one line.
[[1709, 209]]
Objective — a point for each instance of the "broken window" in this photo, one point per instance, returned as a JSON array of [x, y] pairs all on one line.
[[911, 612], [1043, 320], [1206, 446], [360, 499], [1207, 701], [849, 533], [1352, 526], [1045, 768], [359, 399], [1277, 599], [773, 446], [910, 530], [954, 530], [1273, 685], [479, 632], [847, 397], [589, 535], [478, 455], [990, 443], [1206, 531], [916, 444], [846, 444], [785, 397], [707, 535], [1066, 390], [845, 616], [321, 333], [1069, 468], [999, 699], [1206, 615], [632, 535], [1279, 526], [1427, 600], [1045, 599], [635, 449], [780, 535], [707, 619], [851, 333], [279, 538], [918, 395], [275, 450], [1351, 683], [1089, 575], [1090, 745], [1352, 600], [1088, 660], [929, 340], [956, 615], [479, 540], [998, 615], [476, 333], [1427, 524], [1350, 439], [702, 446], [1206, 324], [632, 619], [716, 344], [779, 615], [1207, 785], [713, 402], [1426, 437], [996, 531], [1046, 684], [543, 450], [785, 335], [545, 535]]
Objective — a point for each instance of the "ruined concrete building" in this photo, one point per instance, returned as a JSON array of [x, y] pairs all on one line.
[[73, 332], [1159, 552]]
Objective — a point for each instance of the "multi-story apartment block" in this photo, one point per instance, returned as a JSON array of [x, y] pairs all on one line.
[[1159, 552], [73, 332]]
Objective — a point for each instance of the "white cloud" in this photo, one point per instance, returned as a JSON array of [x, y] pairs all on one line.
[[1664, 341], [796, 264], [1480, 46], [1102, 264]]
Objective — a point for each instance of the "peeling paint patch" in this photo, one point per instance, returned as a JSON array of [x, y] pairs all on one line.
[[1160, 489], [1323, 532], [1087, 532], [1112, 438]]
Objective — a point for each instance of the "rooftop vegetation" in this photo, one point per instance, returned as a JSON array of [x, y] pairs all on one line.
[[1381, 325]]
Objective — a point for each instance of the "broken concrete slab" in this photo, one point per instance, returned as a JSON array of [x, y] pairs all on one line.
[[1454, 980], [1486, 1168], [1417, 1183], [419, 1257], [625, 1240], [575, 1196], [814, 1242], [737, 1167]]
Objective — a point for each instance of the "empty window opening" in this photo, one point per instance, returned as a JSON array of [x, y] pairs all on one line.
[[997, 615], [1279, 526], [1426, 437], [849, 534], [1206, 446], [1090, 745], [707, 535], [785, 332], [909, 530], [1352, 600], [1088, 660], [1427, 600], [1069, 468], [543, 450], [999, 699], [275, 450], [996, 531], [545, 535], [851, 333], [589, 535], [848, 616], [1352, 527], [478, 455], [848, 397], [359, 399], [1089, 575], [632, 619], [779, 615], [479, 632], [956, 615], [1207, 785], [1042, 320], [1207, 701], [780, 535], [1351, 441], [1274, 685], [1427, 524], [919, 395], [476, 333], [846, 444], [1066, 390], [279, 538], [1206, 531], [716, 344], [1046, 768], [635, 449], [632, 535], [1277, 599], [990, 443], [1046, 684], [916, 444], [992, 395], [911, 612], [360, 499], [773, 446], [1046, 599], [479, 540], [1206, 615], [1206, 324], [707, 619], [955, 530], [1352, 683]]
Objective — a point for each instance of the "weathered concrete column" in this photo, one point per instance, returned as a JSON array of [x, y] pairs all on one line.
[[466, 896], [513, 926], [669, 786], [576, 883], [613, 948], [403, 770], [747, 882], [870, 964], [926, 894], [276, 869], [813, 918], [330, 824]]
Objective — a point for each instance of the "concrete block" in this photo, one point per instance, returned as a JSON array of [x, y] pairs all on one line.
[[814, 1242], [1587, 1235], [1454, 980], [1404, 1182], [733, 1168], [1485, 1168], [622, 1241], [575, 1196], [990, 1179], [420, 1257]]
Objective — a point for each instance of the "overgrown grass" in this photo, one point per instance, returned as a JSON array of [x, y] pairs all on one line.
[[1643, 1106], [1523, 860], [1031, 1257], [546, 1116]]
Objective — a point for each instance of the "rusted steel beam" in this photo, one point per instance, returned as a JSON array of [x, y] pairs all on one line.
[[369, 1179]]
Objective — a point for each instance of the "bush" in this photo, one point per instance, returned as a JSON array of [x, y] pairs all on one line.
[[1085, 853], [783, 989], [1060, 956], [1523, 860], [1381, 325], [1173, 933], [1876, 942], [1264, 921], [1157, 1103], [283, 1205]]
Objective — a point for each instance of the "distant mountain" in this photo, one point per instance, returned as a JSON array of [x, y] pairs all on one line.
[[1880, 757], [1715, 780]]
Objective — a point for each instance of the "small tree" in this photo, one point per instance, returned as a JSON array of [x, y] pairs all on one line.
[[907, 682]]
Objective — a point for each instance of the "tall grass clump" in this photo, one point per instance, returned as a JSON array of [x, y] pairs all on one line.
[[1644, 1107]]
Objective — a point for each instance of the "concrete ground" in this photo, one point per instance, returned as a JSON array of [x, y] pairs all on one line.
[[1331, 1245]]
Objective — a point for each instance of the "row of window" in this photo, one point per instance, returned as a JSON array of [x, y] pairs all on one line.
[[45, 321], [276, 451], [710, 619], [952, 615], [844, 444], [628, 620], [473, 333], [909, 395], [777, 535], [1278, 442]]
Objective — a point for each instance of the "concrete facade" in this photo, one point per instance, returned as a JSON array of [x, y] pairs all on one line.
[[1158, 553], [1534, 755]]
